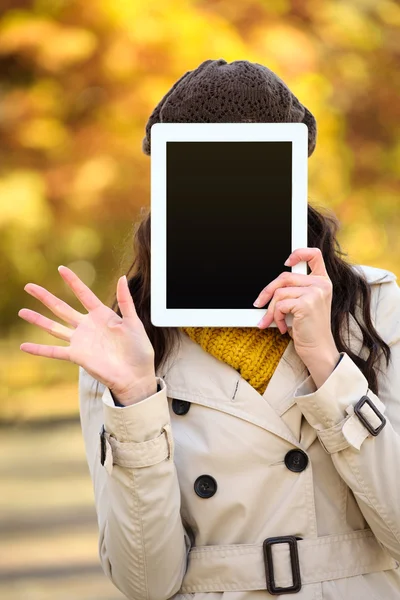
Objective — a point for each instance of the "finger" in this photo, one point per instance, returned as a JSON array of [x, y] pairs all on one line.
[[84, 294], [60, 352], [280, 294], [282, 308], [125, 300], [286, 279], [58, 307], [313, 256], [52, 327]]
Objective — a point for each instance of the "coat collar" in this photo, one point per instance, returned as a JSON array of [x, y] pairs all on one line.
[[194, 375]]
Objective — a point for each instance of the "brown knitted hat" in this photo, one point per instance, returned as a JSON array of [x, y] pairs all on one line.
[[221, 92]]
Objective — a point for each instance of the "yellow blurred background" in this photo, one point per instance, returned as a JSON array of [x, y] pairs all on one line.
[[79, 80]]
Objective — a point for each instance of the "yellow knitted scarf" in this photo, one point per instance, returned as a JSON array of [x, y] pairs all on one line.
[[253, 352]]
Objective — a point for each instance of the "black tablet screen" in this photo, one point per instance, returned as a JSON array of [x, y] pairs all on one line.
[[229, 221]]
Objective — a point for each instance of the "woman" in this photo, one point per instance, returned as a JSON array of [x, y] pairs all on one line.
[[242, 463]]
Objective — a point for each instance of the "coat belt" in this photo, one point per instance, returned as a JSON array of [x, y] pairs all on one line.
[[241, 567]]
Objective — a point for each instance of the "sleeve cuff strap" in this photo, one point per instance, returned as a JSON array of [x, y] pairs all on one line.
[[139, 422], [351, 431], [134, 455], [330, 408]]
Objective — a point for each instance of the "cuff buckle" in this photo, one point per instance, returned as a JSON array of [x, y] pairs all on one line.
[[102, 445], [366, 423]]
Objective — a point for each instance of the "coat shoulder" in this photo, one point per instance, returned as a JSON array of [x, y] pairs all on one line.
[[375, 275], [385, 301]]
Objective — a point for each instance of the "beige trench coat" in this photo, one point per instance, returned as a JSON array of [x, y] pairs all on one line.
[[197, 476]]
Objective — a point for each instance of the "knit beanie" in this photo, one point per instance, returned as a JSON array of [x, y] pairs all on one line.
[[221, 92]]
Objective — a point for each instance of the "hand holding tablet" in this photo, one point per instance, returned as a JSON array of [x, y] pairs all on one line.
[[228, 206]]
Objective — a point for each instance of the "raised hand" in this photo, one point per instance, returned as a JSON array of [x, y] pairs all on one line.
[[309, 299], [116, 351]]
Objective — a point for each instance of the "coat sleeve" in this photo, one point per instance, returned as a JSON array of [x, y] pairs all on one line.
[[369, 464], [143, 545]]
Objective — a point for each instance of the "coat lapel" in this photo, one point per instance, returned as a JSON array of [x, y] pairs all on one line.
[[196, 376]]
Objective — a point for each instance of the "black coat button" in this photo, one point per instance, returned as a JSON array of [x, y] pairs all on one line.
[[296, 460], [205, 486], [180, 407]]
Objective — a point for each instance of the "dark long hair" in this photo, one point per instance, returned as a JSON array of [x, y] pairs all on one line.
[[349, 289]]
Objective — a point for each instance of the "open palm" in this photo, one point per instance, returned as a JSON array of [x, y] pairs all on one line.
[[116, 351]]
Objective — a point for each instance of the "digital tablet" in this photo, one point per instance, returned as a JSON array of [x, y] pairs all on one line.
[[228, 206]]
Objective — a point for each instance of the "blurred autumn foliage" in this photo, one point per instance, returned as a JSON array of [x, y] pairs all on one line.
[[78, 83]]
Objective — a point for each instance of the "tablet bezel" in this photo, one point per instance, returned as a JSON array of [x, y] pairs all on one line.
[[161, 133]]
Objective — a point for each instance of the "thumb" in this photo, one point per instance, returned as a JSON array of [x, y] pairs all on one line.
[[125, 300]]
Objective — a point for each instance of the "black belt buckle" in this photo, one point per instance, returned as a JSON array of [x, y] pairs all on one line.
[[294, 560], [357, 410], [102, 445]]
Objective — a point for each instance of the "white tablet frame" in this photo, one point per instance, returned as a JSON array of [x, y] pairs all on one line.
[[161, 133]]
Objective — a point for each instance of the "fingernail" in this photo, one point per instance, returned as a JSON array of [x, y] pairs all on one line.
[[256, 302], [60, 266], [287, 262]]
